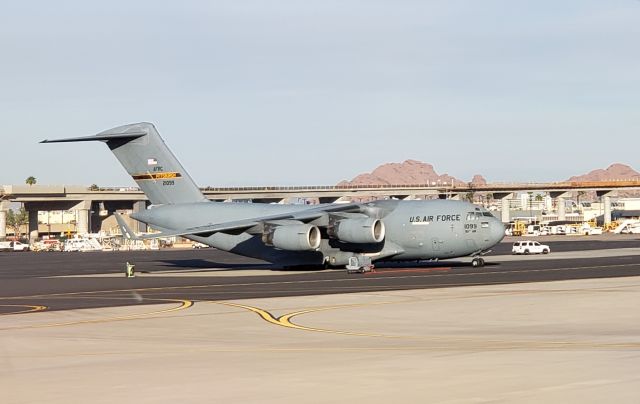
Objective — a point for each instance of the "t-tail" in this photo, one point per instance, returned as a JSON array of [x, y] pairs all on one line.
[[148, 160]]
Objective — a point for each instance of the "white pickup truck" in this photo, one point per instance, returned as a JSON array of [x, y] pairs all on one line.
[[590, 231], [13, 246], [529, 247]]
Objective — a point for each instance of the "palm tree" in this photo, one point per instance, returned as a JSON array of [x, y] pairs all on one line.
[[470, 196], [31, 180], [489, 199]]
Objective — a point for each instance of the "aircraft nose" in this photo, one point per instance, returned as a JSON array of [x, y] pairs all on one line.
[[497, 231]]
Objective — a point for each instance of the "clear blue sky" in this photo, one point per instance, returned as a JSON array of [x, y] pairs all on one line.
[[312, 92]]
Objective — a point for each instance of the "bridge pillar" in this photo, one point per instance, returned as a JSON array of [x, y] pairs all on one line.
[[562, 209], [4, 207], [33, 223], [606, 201], [607, 209], [560, 206], [83, 210], [505, 212], [83, 221], [140, 206]]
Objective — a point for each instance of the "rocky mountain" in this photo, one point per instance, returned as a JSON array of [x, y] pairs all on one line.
[[418, 172], [478, 180], [615, 171], [407, 172]]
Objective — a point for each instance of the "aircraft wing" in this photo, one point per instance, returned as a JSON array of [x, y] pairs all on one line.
[[239, 226], [306, 215]]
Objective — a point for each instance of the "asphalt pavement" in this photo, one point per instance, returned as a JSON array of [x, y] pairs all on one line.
[[60, 281]]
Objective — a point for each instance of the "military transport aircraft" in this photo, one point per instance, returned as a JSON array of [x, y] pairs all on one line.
[[337, 235]]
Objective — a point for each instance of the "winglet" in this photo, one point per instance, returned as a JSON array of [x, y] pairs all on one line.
[[125, 229]]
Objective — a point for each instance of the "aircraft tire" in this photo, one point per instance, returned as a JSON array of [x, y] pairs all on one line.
[[477, 262]]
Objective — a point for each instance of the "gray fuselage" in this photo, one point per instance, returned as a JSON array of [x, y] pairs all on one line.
[[415, 230]]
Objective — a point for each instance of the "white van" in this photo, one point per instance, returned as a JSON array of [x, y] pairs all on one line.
[[529, 247]]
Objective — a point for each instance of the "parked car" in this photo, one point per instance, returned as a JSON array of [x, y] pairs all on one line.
[[13, 246], [529, 247]]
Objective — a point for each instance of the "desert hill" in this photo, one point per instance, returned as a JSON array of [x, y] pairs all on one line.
[[615, 171], [405, 173], [418, 172]]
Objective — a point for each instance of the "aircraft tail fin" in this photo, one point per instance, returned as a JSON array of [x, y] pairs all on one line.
[[148, 160]]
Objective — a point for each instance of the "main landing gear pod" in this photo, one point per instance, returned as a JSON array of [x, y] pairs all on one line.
[[359, 264]]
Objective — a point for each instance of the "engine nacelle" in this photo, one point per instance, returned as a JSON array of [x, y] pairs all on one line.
[[357, 230], [293, 237]]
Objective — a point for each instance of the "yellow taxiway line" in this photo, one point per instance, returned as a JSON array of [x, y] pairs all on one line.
[[450, 342], [184, 304], [285, 320], [31, 309]]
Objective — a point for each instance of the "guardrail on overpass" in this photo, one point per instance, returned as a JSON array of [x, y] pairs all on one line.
[[25, 193]]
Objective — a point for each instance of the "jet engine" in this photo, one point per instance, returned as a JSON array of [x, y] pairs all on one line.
[[357, 230], [293, 237]]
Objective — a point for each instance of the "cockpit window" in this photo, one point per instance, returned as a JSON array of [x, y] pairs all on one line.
[[473, 216], [485, 213]]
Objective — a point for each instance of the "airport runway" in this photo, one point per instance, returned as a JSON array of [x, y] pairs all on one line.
[[33, 282]]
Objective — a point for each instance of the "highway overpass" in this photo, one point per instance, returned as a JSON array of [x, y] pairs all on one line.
[[89, 202]]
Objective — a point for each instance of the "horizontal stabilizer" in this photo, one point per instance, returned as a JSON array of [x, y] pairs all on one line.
[[103, 138], [126, 231]]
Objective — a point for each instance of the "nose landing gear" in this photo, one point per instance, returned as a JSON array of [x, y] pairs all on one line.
[[477, 262]]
